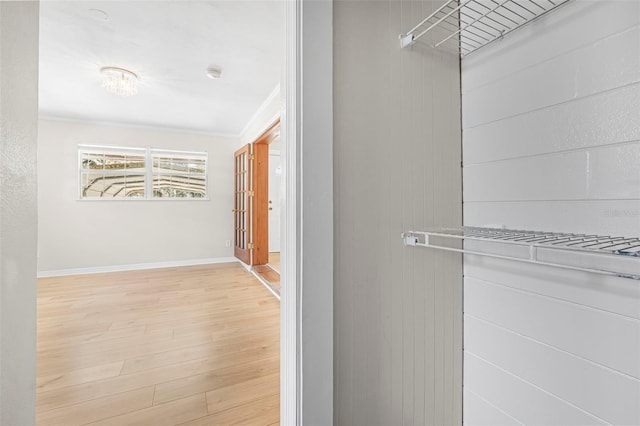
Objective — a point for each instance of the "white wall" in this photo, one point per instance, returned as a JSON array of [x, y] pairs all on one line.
[[97, 233], [397, 142], [551, 119], [18, 212]]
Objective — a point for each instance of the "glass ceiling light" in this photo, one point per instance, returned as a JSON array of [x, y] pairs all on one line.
[[119, 81]]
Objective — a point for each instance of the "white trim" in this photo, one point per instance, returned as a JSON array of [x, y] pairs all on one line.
[[270, 123], [139, 199], [244, 265], [136, 267], [289, 321], [264, 283], [188, 155], [88, 148], [110, 148], [105, 123], [263, 106]]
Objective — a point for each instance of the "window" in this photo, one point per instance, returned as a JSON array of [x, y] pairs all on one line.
[[113, 172], [179, 175]]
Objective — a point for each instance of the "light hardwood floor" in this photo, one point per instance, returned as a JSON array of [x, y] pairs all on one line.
[[193, 345], [271, 277], [274, 261], [271, 272]]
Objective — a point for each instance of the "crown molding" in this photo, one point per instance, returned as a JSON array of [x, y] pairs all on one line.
[[105, 123], [274, 93]]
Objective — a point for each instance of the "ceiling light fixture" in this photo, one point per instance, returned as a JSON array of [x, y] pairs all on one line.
[[119, 81], [214, 72]]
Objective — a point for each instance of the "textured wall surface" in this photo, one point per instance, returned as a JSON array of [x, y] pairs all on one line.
[[551, 119], [397, 142], [99, 233], [18, 213]]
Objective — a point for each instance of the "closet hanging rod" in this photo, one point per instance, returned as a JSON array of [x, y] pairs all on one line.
[[617, 256], [473, 24]]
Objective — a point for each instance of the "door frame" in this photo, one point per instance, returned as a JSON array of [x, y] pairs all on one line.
[[260, 210], [306, 325], [307, 294]]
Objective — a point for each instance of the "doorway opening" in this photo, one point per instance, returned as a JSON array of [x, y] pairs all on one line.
[[258, 197], [120, 157]]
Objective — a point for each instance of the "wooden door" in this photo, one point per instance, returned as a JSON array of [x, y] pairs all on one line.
[[259, 204], [242, 204]]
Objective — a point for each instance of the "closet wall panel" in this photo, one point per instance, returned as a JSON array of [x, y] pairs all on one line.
[[397, 143]]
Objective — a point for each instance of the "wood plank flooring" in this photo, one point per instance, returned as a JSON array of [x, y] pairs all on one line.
[[271, 277], [192, 345], [274, 261], [270, 272]]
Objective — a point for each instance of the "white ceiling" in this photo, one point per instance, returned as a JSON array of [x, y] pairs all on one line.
[[168, 44]]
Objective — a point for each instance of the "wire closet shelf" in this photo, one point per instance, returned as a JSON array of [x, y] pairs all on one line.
[[472, 24], [617, 256]]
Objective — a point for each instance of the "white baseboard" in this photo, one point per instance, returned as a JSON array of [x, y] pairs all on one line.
[[264, 283], [247, 267], [135, 267]]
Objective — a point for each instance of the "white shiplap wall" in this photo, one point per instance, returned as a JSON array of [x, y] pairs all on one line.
[[551, 141]]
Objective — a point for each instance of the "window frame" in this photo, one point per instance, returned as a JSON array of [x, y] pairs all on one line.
[[148, 173]]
